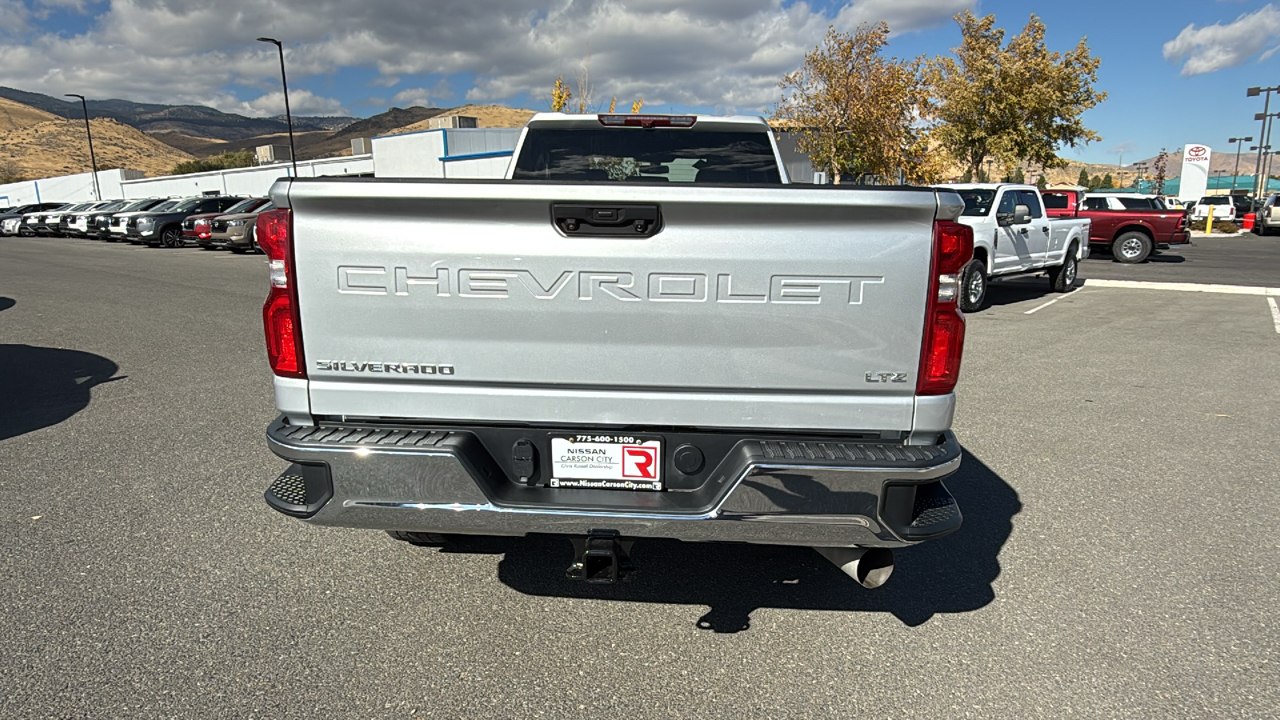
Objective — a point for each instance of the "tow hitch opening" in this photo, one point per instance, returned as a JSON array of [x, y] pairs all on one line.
[[601, 557]]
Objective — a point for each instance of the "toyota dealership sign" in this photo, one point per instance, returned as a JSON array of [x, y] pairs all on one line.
[[1195, 172]]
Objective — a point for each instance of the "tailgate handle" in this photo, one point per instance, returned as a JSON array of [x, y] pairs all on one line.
[[622, 220]]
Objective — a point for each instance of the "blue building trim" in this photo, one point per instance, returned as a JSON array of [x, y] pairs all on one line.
[[36, 185], [477, 156]]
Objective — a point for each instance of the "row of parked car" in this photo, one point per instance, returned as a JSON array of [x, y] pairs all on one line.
[[210, 221]]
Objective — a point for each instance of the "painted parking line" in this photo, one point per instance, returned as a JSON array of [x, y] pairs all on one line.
[[1186, 287], [1275, 312], [1038, 308]]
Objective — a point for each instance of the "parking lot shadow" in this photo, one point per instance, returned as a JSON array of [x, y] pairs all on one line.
[[950, 575], [42, 386], [1009, 292], [6, 303]]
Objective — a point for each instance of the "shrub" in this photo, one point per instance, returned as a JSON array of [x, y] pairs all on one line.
[[1219, 226], [227, 160]]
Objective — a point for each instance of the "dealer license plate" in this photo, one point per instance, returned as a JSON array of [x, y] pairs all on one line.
[[606, 462]]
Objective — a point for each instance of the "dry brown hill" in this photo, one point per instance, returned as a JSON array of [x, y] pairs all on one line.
[[207, 147], [58, 147], [491, 116], [15, 115], [392, 120]]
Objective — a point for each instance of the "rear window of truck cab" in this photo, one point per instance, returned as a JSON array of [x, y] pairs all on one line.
[[977, 203], [655, 155]]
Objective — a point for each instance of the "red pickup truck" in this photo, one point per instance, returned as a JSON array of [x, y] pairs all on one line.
[[1131, 234]]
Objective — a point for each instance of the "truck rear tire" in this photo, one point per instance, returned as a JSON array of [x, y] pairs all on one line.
[[1132, 247], [973, 286], [1063, 277]]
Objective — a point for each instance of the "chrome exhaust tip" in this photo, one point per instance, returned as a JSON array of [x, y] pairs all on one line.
[[871, 567]]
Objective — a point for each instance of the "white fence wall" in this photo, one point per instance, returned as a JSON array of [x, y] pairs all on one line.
[[68, 188], [409, 155], [445, 153], [250, 181]]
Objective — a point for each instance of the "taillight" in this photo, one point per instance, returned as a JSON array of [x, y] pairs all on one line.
[[944, 323], [280, 317]]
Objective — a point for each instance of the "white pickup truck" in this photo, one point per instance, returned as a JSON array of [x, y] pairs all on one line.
[[1013, 235], [644, 331]]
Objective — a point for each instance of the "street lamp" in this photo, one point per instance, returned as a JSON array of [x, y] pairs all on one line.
[[1240, 141], [93, 160], [284, 83], [1264, 137]]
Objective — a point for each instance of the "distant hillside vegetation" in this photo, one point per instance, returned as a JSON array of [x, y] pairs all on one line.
[[16, 115], [58, 147]]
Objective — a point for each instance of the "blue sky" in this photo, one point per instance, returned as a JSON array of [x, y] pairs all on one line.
[[1176, 70]]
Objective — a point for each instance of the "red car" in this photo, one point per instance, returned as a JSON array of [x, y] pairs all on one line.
[[1129, 230], [199, 228]]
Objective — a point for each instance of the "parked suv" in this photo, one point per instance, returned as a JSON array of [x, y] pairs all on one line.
[[1225, 207], [80, 223], [1267, 219], [165, 228], [235, 231], [11, 220], [118, 221], [199, 228], [47, 223]]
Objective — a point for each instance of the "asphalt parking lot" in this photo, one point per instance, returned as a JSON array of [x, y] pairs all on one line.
[[1118, 557]]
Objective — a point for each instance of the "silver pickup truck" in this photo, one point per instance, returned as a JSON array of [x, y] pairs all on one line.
[[644, 331]]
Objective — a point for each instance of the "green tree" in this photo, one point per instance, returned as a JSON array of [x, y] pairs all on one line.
[[224, 161], [854, 109], [1015, 102], [1040, 183], [967, 177], [1083, 180], [1018, 176], [1107, 183]]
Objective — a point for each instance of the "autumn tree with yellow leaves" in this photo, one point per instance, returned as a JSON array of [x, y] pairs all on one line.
[[1013, 102], [856, 110]]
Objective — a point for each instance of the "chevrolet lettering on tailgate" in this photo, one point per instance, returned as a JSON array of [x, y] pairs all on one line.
[[624, 286]]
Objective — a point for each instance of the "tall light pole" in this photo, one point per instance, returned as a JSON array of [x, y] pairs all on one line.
[[284, 83], [1265, 156], [1266, 109], [1240, 141], [93, 160]]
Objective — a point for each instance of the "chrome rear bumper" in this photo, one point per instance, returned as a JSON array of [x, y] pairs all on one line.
[[827, 492]]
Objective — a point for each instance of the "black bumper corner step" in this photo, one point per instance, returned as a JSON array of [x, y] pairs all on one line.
[[301, 490]]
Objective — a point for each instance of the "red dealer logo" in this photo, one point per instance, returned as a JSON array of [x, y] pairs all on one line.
[[639, 462], [1197, 152]]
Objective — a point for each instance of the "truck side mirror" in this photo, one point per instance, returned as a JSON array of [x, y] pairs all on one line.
[[1021, 215]]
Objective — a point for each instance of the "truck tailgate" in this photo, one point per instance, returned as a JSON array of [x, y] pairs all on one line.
[[787, 307]]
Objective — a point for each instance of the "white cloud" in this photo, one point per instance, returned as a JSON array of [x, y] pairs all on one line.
[[412, 97], [301, 102], [1217, 47], [722, 53]]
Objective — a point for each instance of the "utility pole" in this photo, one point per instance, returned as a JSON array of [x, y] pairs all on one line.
[[93, 160]]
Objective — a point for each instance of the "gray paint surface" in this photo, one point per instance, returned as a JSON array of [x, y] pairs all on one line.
[[753, 307]]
